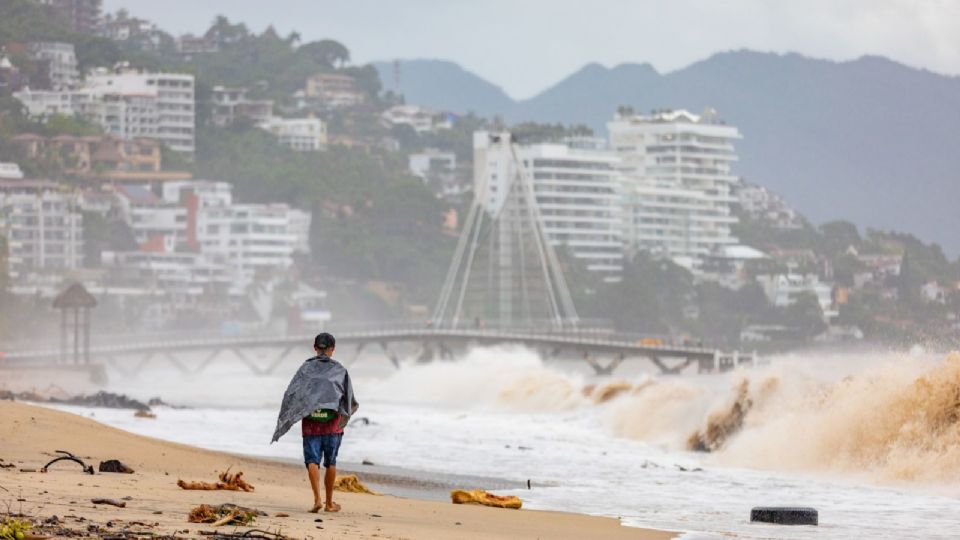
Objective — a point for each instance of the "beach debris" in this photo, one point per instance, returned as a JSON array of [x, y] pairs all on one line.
[[785, 515], [14, 529], [111, 502], [114, 466], [144, 414], [364, 462], [252, 533], [228, 482], [351, 484], [281, 515], [4, 465], [479, 496], [223, 514], [67, 456]]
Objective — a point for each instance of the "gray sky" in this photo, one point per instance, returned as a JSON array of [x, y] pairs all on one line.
[[527, 45]]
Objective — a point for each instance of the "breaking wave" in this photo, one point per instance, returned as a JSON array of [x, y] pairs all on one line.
[[894, 418], [508, 377], [898, 422]]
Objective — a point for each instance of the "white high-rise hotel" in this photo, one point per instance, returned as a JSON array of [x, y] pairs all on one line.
[[127, 103], [577, 194], [677, 182]]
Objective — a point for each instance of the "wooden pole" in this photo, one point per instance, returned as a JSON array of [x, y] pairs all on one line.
[[63, 336], [76, 335], [86, 335]]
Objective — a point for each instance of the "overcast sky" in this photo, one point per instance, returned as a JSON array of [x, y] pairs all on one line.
[[527, 45]]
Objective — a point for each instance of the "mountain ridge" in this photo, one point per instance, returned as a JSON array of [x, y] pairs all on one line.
[[869, 140]]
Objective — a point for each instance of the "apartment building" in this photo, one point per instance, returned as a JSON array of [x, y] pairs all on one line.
[[760, 203], [43, 227], [127, 103], [232, 103], [81, 15], [158, 225], [783, 290], [42, 104], [61, 61], [577, 192], [420, 119], [251, 238], [139, 33], [333, 90], [10, 171], [678, 182], [438, 169], [301, 134], [163, 99]]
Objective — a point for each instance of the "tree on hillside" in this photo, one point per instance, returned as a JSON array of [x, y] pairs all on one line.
[[326, 52], [838, 236], [224, 32], [805, 316]]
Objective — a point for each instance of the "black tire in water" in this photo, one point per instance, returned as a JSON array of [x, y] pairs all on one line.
[[785, 515]]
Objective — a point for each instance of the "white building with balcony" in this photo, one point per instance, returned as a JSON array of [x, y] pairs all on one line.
[[301, 134], [42, 225], [250, 238], [420, 119], [171, 95], [678, 183], [229, 104], [577, 193], [782, 290], [158, 225], [42, 104], [10, 171], [61, 60], [128, 104]]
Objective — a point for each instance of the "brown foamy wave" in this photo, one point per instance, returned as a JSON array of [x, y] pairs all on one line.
[[602, 393], [660, 411], [543, 390], [893, 423], [726, 421]]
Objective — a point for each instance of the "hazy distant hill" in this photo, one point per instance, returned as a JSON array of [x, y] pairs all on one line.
[[870, 140], [444, 85]]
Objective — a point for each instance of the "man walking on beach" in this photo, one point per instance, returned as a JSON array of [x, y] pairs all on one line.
[[320, 397]]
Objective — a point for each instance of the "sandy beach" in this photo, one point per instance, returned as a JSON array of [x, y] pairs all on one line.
[[155, 505]]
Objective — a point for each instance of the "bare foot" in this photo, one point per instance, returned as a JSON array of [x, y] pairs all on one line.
[[332, 507], [316, 508]]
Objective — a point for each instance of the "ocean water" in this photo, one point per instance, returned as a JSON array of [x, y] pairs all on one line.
[[871, 441]]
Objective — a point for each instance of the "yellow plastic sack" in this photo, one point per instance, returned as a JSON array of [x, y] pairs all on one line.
[[479, 496]]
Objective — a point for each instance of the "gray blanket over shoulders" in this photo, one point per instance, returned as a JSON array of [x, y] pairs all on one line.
[[320, 383]]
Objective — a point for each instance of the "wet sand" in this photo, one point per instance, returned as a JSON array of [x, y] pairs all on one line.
[[154, 504]]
